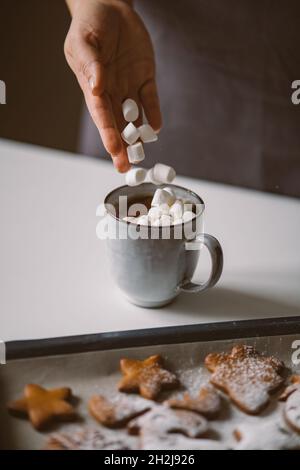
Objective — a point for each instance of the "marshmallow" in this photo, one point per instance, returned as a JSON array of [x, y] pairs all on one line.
[[164, 209], [143, 220], [163, 173], [136, 153], [172, 197], [154, 213], [176, 209], [150, 177], [160, 197], [147, 133], [156, 223], [135, 176], [165, 220], [130, 134], [130, 110], [188, 216]]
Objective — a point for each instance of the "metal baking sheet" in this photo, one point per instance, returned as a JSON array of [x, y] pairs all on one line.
[[90, 364]]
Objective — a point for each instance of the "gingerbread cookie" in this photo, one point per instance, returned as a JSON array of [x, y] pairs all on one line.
[[178, 442], [292, 406], [266, 434], [207, 402], [91, 439], [246, 376], [295, 379], [43, 406], [146, 377], [162, 420], [117, 411]]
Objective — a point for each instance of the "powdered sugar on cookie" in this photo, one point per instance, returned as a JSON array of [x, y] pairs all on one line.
[[162, 420], [118, 410], [246, 376], [207, 402]]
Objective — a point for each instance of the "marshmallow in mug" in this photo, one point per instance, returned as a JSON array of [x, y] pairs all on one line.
[[163, 196], [143, 220], [176, 210], [155, 213]]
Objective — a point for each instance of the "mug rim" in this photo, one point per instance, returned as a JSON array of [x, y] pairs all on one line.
[[155, 186]]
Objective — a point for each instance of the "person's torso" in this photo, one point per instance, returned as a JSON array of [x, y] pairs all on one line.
[[224, 72]]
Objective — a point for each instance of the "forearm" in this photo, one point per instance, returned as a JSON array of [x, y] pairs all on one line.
[[72, 4]]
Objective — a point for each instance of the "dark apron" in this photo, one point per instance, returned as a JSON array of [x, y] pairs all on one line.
[[224, 71]]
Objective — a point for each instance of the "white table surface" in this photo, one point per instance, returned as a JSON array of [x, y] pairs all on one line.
[[54, 277]]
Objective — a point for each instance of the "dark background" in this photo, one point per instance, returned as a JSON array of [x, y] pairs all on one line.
[[242, 83], [43, 99]]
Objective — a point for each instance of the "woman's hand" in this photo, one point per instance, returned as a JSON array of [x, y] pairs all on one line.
[[110, 51]]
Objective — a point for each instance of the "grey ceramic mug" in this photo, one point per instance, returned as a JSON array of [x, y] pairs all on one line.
[[153, 270]]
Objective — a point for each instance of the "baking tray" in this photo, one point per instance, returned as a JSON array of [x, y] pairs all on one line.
[[90, 364]]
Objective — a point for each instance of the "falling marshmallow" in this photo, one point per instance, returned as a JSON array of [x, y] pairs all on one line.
[[163, 173], [147, 134], [150, 177], [130, 110], [135, 176], [135, 153], [130, 134]]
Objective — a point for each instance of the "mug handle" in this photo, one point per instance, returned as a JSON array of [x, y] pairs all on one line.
[[216, 255]]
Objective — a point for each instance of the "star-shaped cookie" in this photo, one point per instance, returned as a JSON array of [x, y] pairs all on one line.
[[146, 377], [43, 406], [207, 402], [246, 376]]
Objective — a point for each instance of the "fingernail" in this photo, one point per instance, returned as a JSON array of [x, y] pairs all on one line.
[[92, 83], [119, 164]]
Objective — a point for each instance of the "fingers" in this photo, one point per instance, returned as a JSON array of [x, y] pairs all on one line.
[[118, 114], [150, 102], [104, 118], [100, 109], [90, 74]]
